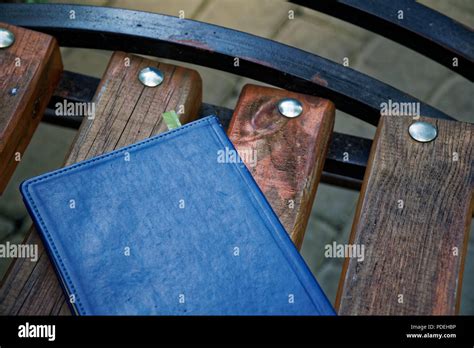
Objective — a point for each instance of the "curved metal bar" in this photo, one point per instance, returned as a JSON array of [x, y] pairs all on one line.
[[422, 29], [215, 47]]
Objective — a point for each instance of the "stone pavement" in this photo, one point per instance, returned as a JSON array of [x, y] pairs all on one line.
[[331, 38]]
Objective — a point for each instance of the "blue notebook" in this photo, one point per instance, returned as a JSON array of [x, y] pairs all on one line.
[[172, 225]]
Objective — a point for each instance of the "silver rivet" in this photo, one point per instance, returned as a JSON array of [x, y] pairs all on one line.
[[423, 132], [150, 76], [14, 91], [7, 38], [290, 107]]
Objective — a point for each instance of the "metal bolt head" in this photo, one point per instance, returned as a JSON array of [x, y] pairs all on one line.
[[290, 107], [7, 38], [423, 132], [151, 76]]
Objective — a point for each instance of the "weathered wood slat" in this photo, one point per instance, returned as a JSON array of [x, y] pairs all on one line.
[[29, 72], [413, 219], [289, 152], [126, 112]]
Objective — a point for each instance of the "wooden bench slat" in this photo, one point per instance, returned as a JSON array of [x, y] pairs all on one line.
[[290, 152], [413, 219], [126, 112], [29, 72]]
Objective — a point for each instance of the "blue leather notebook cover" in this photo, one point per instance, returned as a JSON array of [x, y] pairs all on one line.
[[165, 226]]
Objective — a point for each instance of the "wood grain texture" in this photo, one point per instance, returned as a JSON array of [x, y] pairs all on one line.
[[126, 112], [410, 251], [290, 152], [32, 66]]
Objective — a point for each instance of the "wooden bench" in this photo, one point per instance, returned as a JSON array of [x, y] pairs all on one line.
[[416, 199]]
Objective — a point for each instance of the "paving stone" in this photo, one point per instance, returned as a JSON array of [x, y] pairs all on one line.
[[318, 234], [7, 227], [334, 205], [454, 97], [460, 10], [328, 277], [324, 40], [402, 68], [216, 85], [326, 227], [333, 209], [262, 18], [331, 22], [348, 124], [45, 152], [86, 61]]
